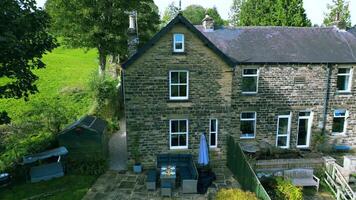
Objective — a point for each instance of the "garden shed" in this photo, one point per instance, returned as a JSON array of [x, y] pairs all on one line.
[[85, 138]]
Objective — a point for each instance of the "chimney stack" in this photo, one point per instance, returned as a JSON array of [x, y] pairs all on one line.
[[132, 33], [208, 23]]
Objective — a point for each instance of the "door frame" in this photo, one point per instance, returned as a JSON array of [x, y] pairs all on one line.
[[289, 117], [310, 122]]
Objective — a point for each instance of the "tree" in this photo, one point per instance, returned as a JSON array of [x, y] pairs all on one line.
[[235, 10], [169, 13], [23, 41], [194, 13], [338, 12], [291, 13], [101, 24], [269, 13]]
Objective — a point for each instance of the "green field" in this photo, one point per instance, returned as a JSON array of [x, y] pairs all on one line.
[[69, 187], [66, 77]]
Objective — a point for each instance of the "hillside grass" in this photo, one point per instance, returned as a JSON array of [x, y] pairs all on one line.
[[65, 77], [69, 187]]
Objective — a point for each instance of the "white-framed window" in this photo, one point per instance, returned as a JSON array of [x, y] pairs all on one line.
[[178, 42], [344, 79], [213, 133], [305, 120], [248, 124], [339, 121], [249, 80], [178, 84], [283, 131], [178, 133]]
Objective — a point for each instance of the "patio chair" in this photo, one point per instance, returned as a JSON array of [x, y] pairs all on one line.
[[151, 180], [166, 189]]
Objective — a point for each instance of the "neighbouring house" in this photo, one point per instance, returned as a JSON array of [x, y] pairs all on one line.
[[272, 85]]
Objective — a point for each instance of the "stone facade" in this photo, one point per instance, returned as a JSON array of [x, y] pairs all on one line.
[[147, 105], [215, 92]]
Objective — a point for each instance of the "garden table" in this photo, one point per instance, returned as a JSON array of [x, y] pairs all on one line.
[[168, 174]]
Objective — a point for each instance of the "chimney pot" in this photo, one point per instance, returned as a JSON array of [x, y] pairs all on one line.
[[208, 23], [132, 34]]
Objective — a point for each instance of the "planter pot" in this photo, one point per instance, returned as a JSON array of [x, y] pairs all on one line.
[[137, 168]]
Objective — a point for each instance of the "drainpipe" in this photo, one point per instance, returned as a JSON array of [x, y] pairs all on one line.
[[326, 97]]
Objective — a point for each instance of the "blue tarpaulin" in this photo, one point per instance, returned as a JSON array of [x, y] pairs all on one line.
[[203, 158]]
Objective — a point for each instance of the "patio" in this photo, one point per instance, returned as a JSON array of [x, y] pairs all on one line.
[[117, 185]]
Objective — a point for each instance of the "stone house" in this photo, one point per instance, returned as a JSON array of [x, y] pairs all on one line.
[[262, 85]]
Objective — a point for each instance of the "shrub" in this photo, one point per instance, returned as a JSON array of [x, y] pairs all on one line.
[[96, 165], [235, 194], [286, 190], [106, 97], [17, 146]]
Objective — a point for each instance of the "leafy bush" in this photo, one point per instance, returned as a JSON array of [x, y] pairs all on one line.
[[88, 166], [17, 146], [235, 194], [106, 97], [286, 190]]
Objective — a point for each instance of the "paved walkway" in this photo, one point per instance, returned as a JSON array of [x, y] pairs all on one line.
[[118, 148], [114, 185]]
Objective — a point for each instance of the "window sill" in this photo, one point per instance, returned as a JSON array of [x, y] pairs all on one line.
[[179, 53], [343, 93], [343, 134], [179, 101], [246, 137], [178, 148], [249, 93]]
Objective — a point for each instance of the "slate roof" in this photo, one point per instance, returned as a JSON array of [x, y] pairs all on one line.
[[250, 45], [89, 122], [285, 44]]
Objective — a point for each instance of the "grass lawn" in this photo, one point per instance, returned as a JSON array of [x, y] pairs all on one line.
[[66, 77], [69, 187]]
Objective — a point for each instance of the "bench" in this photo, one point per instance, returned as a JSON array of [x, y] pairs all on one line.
[[302, 177], [186, 168], [151, 180]]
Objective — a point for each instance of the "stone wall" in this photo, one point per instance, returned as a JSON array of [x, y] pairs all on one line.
[[147, 105]]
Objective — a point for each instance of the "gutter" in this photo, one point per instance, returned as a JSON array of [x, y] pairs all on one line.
[[326, 97]]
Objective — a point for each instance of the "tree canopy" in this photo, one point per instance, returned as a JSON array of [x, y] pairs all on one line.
[[23, 41], [194, 13], [338, 11], [269, 13], [101, 24]]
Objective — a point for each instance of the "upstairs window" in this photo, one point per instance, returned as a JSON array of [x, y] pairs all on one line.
[[249, 81], [178, 132], [178, 42], [339, 121], [178, 85], [213, 133], [344, 78], [248, 124]]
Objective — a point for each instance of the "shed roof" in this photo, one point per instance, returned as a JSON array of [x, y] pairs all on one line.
[[285, 44], [88, 122]]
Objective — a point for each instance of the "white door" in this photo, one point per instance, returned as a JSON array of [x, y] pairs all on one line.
[[304, 129], [283, 131]]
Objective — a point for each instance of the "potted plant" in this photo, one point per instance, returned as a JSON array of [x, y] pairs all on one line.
[[137, 167]]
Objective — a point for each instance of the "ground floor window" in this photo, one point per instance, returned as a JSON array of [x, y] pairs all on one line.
[[283, 131], [304, 129], [213, 133], [339, 121], [248, 124], [178, 133]]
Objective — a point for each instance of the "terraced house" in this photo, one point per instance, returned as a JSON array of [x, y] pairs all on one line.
[[263, 85]]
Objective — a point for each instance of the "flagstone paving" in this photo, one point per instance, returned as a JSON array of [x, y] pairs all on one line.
[[130, 186]]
